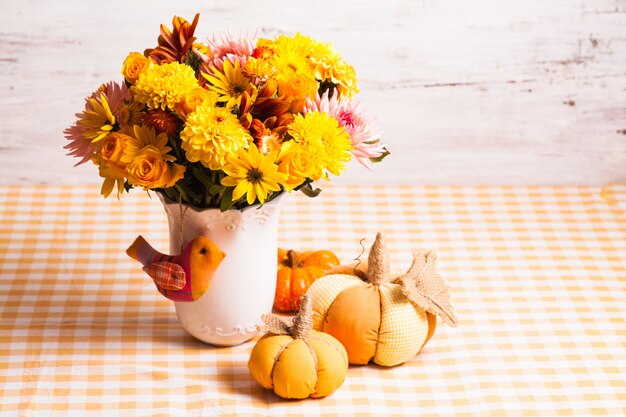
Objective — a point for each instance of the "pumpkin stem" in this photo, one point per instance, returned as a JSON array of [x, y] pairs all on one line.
[[292, 259], [378, 262], [303, 322]]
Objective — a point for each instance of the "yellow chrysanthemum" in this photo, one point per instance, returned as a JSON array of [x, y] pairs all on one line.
[[253, 174], [330, 67], [328, 143], [97, 118], [162, 86], [211, 134], [297, 44], [229, 84]]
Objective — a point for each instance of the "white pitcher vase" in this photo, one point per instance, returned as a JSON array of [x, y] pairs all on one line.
[[244, 284]]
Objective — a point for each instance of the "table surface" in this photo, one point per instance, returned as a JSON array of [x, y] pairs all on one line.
[[537, 277]]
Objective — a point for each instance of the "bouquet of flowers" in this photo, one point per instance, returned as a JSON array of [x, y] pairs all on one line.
[[227, 123]]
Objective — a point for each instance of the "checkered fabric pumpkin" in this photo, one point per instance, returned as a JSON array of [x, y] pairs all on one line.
[[378, 317]]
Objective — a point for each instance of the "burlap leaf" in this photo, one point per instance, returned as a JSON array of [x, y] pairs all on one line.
[[427, 289], [298, 327], [275, 324]]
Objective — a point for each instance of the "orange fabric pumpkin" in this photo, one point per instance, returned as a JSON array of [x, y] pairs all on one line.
[[296, 273], [379, 316], [295, 361]]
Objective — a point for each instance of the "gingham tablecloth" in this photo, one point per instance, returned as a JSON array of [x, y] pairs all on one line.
[[538, 278]]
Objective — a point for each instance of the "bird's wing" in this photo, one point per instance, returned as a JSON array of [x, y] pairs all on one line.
[[167, 275]]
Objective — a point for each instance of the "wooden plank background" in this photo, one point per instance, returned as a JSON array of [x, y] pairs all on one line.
[[468, 92]]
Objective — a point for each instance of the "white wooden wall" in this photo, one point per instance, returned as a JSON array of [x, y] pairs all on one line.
[[468, 92]]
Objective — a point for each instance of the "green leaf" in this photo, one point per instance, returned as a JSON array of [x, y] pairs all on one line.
[[227, 200], [327, 85], [202, 177], [381, 157], [216, 189], [176, 148], [309, 191], [197, 197], [371, 142]]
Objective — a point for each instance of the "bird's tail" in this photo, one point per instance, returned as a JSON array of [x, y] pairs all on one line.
[[141, 251]]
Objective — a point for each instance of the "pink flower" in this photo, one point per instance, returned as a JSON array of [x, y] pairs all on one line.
[[227, 48], [365, 138], [115, 93], [80, 146]]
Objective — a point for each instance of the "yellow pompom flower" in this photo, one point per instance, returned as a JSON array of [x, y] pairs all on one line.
[[330, 67], [162, 86], [296, 162], [298, 44], [253, 174], [211, 134], [328, 143]]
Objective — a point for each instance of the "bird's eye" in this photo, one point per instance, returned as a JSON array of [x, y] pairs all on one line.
[[203, 251]]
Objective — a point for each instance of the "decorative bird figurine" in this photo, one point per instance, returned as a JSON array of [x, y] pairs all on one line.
[[184, 277]]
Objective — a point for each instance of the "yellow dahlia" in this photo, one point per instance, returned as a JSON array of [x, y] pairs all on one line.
[[211, 134], [97, 119], [327, 143], [162, 86], [253, 174], [229, 84]]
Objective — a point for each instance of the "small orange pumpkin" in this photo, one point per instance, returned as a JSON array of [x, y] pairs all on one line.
[[296, 273]]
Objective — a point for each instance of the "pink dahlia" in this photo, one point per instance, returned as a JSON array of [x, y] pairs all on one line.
[[365, 138], [79, 144], [116, 94], [227, 48]]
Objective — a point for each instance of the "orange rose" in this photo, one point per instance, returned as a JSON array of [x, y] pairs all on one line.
[[193, 99], [134, 65], [149, 170], [109, 161], [113, 147], [295, 161]]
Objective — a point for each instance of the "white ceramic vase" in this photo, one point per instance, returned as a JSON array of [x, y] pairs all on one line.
[[244, 284]]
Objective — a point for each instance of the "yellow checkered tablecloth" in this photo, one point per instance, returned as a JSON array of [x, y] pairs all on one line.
[[538, 277]]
